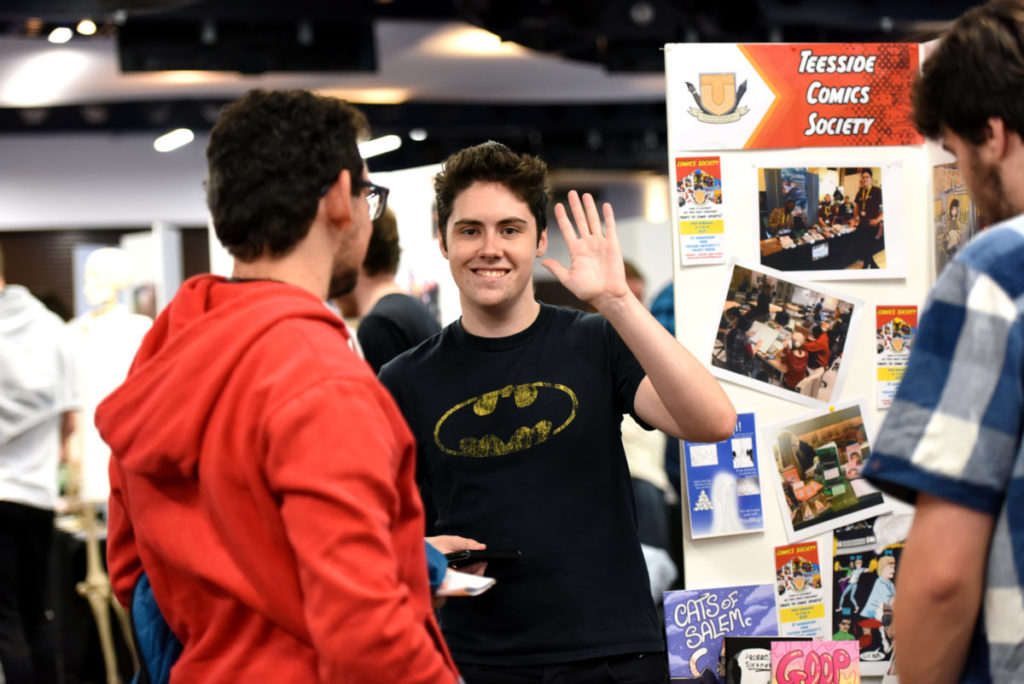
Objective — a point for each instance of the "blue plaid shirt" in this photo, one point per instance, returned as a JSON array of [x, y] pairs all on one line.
[[954, 429]]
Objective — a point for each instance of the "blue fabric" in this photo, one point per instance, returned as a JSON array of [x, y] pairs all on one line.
[[437, 566], [158, 647], [954, 430]]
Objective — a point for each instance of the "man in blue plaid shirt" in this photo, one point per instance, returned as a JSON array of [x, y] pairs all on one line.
[[952, 441]]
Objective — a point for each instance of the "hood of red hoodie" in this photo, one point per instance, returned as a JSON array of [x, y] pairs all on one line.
[[154, 422]]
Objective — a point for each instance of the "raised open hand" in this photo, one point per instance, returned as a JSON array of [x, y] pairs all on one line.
[[595, 272]]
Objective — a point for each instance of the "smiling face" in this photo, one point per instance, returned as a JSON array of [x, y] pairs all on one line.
[[492, 246], [865, 179]]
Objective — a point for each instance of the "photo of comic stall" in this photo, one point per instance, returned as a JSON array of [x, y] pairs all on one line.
[[819, 460], [820, 219]]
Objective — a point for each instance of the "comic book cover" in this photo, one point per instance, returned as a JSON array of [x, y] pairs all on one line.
[[957, 218], [697, 620], [826, 662], [863, 589], [748, 660]]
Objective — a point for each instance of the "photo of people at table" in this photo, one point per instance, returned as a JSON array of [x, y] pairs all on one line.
[[821, 219], [820, 461], [782, 337]]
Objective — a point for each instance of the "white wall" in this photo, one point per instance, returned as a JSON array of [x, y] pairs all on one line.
[[98, 181]]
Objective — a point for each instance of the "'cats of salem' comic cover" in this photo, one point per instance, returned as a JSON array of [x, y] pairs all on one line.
[[697, 620]]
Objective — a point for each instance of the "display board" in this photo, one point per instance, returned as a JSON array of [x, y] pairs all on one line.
[[809, 169]]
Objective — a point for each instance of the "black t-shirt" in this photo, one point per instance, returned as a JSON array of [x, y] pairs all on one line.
[[520, 448], [397, 322], [869, 204]]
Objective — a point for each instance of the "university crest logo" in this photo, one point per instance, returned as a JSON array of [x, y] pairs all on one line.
[[718, 99]]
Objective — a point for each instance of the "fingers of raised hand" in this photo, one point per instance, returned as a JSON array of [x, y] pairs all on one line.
[[584, 212], [563, 222]]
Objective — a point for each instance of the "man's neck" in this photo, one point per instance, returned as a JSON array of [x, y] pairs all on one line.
[[286, 270], [499, 322]]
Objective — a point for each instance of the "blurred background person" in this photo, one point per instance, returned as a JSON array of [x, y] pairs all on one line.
[[389, 320], [38, 397], [652, 491]]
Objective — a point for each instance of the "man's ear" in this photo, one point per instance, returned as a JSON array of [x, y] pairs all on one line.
[[996, 141], [338, 200], [542, 244]]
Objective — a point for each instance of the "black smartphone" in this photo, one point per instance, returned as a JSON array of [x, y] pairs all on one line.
[[460, 559]]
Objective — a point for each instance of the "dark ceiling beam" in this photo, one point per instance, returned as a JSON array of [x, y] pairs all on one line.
[[598, 136]]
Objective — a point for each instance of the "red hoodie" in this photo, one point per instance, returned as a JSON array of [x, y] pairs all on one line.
[[265, 482]]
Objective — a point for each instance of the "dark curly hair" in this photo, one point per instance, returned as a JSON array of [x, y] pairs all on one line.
[[976, 72], [383, 252], [524, 175], [270, 155]]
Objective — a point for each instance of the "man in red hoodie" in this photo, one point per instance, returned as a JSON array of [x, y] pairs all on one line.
[[260, 476]]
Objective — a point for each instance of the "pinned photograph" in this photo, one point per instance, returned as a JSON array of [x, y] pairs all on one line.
[[782, 336], [819, 460], [829, 222]]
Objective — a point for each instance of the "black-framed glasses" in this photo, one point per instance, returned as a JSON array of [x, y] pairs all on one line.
[[376, 198]]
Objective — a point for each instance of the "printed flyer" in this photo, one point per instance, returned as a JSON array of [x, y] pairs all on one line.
[[699, 208], [698, 620], [895, 327], [723, 484], [800, 596], [767, 95], [825, 662]]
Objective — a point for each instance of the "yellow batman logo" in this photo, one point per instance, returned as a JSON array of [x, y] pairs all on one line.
[[466, 433]]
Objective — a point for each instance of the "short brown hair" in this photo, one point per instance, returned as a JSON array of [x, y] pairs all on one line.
[[383, 252], [270, 156], [524, 175], [976, 72]]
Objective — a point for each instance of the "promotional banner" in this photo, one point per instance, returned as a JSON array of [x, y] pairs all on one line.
[[765, 95], [895, 327], [699, 207]]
